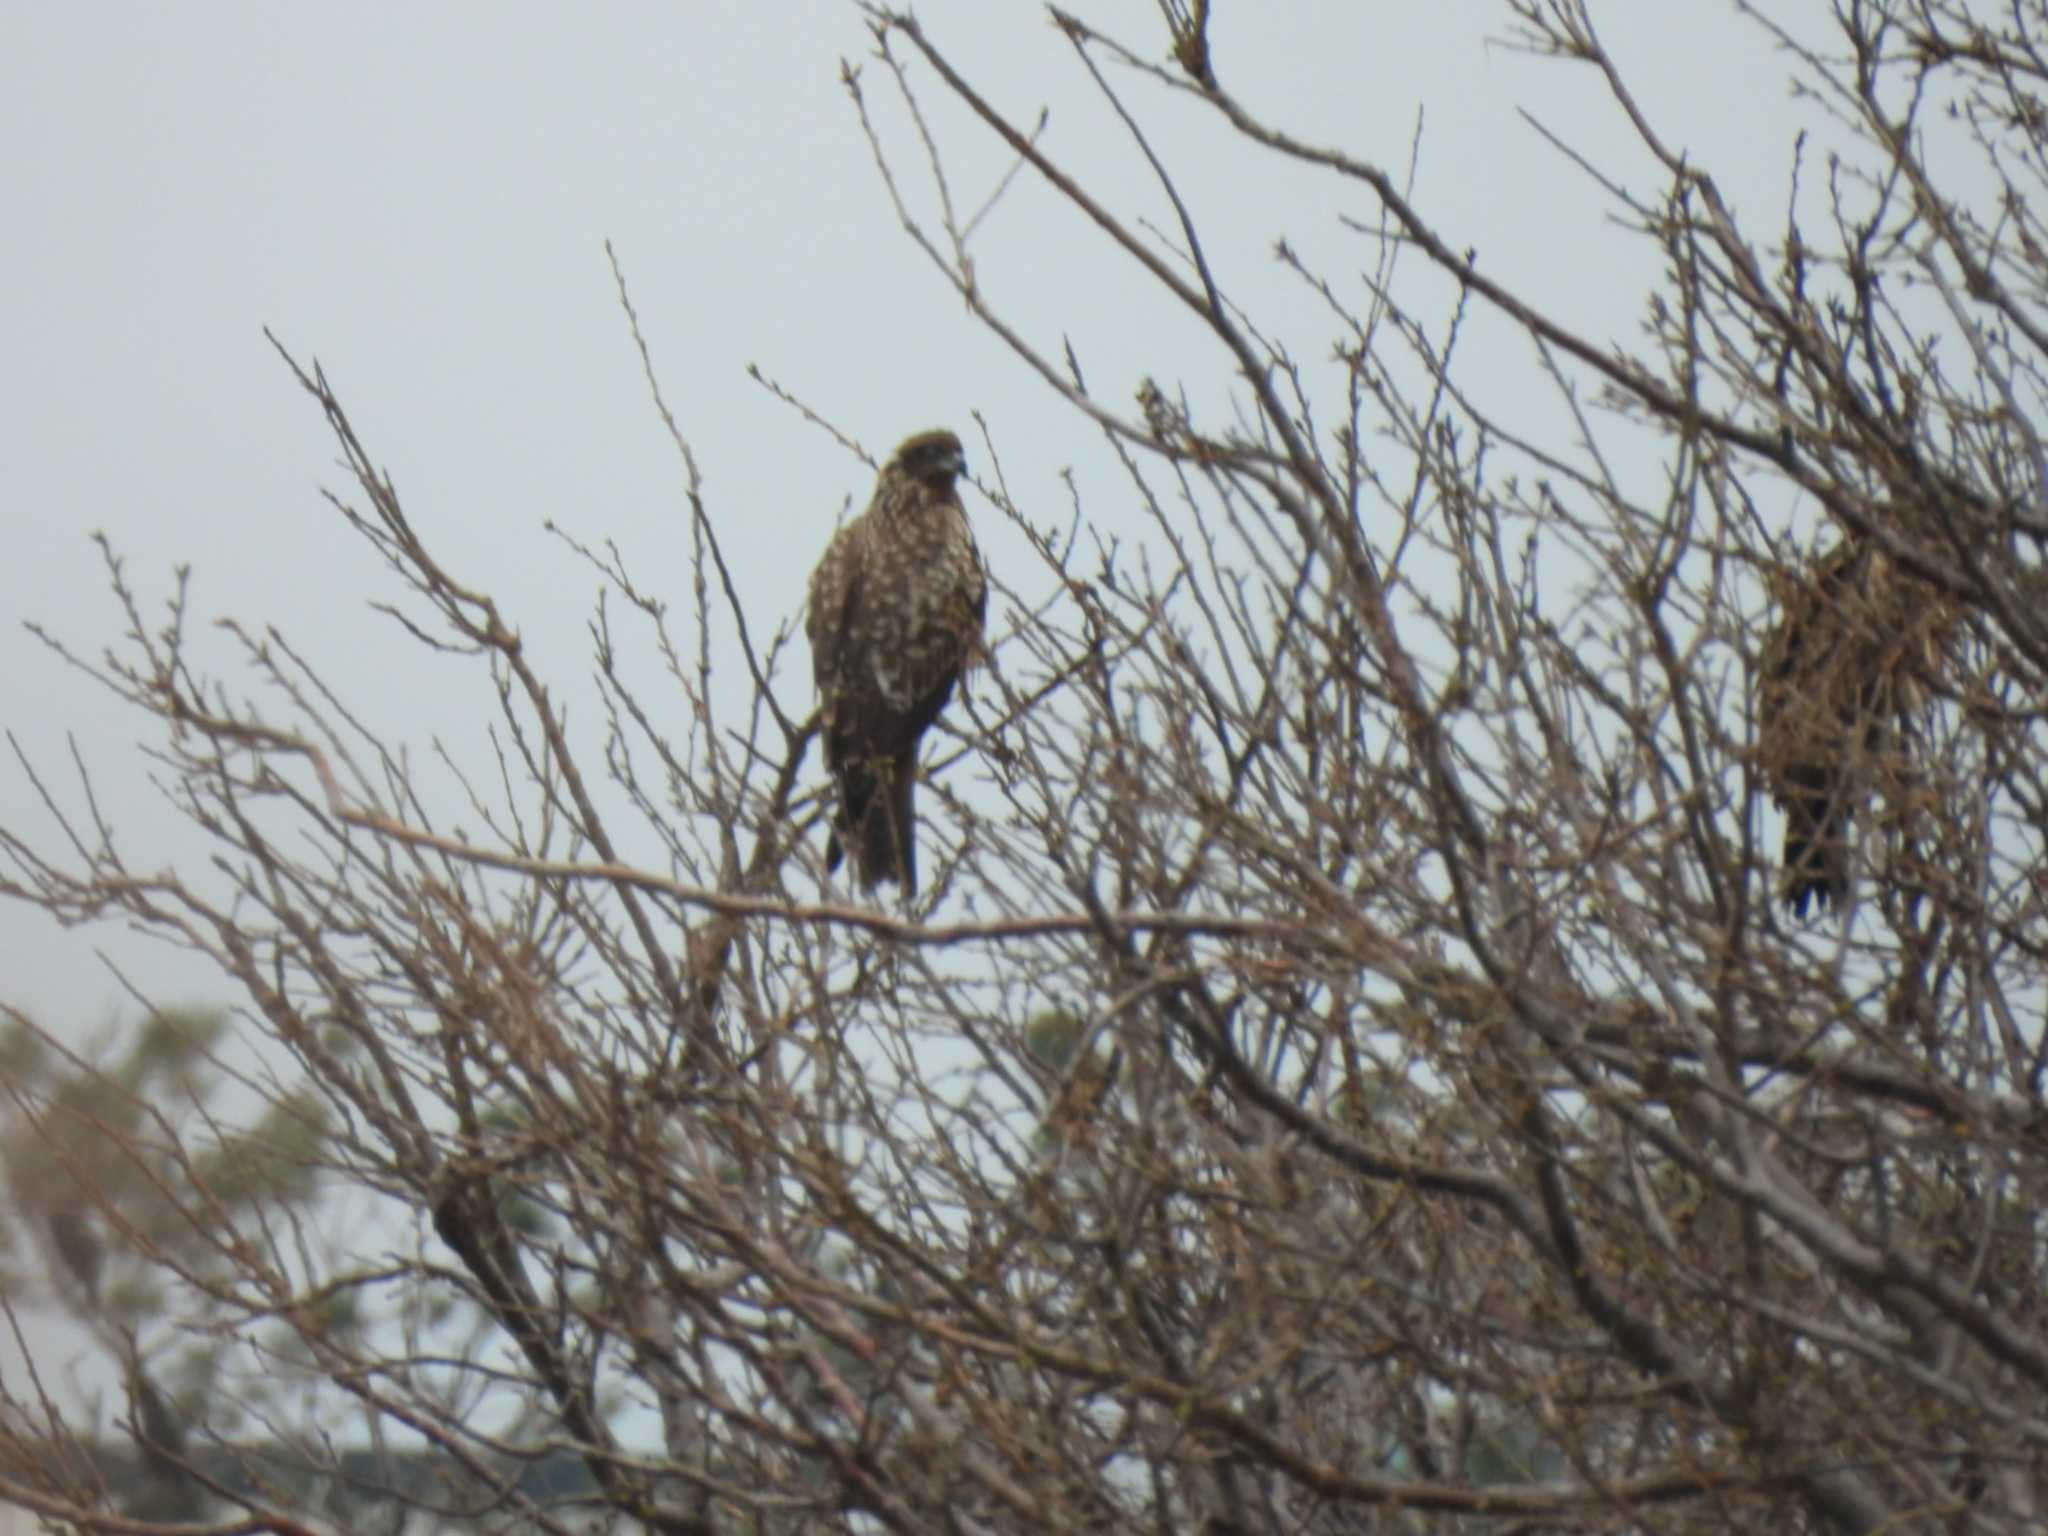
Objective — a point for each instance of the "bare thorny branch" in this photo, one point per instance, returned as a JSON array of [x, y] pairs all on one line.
[[1368, 1077]]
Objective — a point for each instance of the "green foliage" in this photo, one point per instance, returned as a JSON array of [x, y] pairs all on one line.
[[276, 1159], [108, 1148], [1053, 1036]]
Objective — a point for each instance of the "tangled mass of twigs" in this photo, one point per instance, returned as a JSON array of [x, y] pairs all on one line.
[[1464, 972]]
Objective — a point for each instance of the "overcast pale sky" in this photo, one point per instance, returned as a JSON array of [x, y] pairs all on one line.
[[418, 196]]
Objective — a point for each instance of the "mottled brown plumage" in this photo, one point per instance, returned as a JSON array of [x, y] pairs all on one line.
[[895, 616], [1855, 641]]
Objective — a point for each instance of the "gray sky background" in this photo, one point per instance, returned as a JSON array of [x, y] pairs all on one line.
[[418, 197]]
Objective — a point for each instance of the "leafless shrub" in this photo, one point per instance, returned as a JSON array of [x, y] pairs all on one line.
[[1353, 1070]]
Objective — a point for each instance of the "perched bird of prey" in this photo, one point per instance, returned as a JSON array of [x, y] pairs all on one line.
[[896, 611], [1856, 638]]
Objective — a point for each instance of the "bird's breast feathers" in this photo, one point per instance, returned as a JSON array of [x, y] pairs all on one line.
[[896, 604]]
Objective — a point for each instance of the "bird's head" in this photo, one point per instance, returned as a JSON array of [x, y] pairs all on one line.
[[931, 459]]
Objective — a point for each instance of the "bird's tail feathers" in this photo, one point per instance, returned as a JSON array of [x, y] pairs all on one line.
[[879, 828], [1816, 850], [892, 827]]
